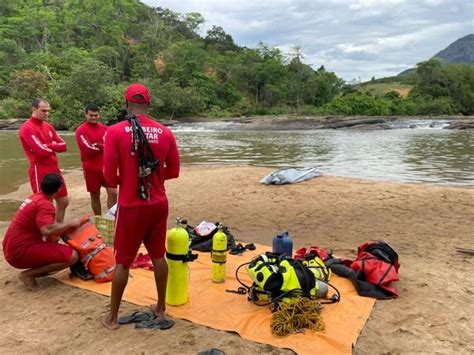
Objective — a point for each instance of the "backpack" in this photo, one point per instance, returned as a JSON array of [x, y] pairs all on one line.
[[97, 257], [204, 243]]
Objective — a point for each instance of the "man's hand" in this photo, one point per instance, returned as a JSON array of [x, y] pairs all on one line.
[[99, 146], [75, 223], [85, 219], [57, 229]]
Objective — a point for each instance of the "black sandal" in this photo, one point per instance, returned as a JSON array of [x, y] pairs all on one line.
[[250, 246], [237, 249]]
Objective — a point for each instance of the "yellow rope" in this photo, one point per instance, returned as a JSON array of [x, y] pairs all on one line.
[[296, 316]]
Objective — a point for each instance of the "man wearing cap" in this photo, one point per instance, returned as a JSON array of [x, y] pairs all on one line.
[[142, 203], [90, 140], [41, 143]]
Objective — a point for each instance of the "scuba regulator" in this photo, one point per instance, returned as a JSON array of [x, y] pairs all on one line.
[[146, 160]]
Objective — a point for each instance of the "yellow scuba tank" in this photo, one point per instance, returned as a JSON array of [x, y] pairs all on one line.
[[177, 247], [219, 255]]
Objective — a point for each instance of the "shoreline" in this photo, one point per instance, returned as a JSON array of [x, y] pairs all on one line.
[[75, 174], [423, 223], [294, 121]]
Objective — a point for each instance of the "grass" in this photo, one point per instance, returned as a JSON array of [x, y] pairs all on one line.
[[383, 88]]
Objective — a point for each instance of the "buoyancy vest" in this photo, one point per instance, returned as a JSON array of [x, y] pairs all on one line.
[[279, 276], [95, 254]]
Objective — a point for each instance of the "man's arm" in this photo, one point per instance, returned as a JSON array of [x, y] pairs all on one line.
[[58, 144], [55, 230], [111, 159], [27, 135], [85, 146], [172, 164]]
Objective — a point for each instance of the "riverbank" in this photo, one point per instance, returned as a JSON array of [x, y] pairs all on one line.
[[296, 122], [423, 223]]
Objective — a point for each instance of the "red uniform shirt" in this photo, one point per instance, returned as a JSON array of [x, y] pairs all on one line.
[[121, 167], [90, 139], [41, 142], [36, 212]]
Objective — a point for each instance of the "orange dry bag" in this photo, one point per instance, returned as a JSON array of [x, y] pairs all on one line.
[[95, 254]]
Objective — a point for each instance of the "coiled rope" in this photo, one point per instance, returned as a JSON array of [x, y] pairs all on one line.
[[296, 316]]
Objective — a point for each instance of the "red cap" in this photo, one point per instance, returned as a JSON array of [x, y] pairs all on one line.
[[137, 89]]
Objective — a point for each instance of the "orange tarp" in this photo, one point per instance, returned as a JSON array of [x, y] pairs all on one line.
[[211, 306]]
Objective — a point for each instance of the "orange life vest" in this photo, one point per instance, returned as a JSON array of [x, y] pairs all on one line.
[[95, 254]]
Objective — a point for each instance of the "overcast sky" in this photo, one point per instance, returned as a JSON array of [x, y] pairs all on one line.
[[354, 38]]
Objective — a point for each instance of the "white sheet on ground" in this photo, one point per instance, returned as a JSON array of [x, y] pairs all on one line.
[[290, 176]]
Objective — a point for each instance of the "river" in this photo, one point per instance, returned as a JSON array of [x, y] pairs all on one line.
[[425, 153]]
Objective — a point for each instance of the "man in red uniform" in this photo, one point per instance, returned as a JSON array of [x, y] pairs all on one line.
[[142, 202], [31, 239], [90, 139], [41, 143]]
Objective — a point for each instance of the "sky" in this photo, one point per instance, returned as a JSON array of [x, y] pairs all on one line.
[[356, 39]]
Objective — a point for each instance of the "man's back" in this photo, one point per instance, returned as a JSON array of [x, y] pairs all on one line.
[[35, 212], [118, 154]]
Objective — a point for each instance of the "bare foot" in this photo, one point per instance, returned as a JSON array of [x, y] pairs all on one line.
[[158, 314], [29, 281], [106, 322]]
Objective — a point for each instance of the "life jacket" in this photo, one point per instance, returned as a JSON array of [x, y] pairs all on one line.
[[377, 268], [95, 254]]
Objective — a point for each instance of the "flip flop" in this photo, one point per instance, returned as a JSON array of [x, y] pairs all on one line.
[[161, 324], [213, 351], [137, 317]]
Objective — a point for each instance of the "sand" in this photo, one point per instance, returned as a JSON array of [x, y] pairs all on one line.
[[423, 223]]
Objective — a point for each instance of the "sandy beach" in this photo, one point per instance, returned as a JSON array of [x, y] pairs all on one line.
[[423, 223]]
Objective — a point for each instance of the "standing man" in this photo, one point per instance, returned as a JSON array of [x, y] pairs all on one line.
[[31, 240], [90, 139], [139, 155], [41, 143]]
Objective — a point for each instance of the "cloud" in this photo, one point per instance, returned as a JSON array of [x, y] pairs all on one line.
[[356, 38]]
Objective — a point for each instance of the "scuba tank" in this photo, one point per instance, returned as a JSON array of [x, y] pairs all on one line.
[[177, 257], [282, 244], [219, 254]]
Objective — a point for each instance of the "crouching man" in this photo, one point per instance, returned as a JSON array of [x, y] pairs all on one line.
[[31, 241]]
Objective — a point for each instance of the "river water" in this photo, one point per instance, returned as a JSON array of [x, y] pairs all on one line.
[[424, 153]]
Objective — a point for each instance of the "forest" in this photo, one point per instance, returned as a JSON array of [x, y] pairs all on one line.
[[74, 52]]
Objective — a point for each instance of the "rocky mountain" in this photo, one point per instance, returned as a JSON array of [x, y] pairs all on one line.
[[460, 51]]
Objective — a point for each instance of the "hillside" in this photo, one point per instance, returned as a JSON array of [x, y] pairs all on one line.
[[89, 51], [460, 51], [381, 88]]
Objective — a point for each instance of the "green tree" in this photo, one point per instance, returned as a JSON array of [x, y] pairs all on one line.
[[218, 39], [321, 87], [28, 84]]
